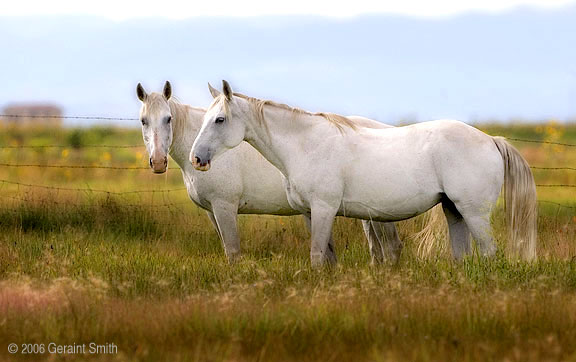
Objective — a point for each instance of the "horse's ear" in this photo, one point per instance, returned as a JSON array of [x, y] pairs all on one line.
[[215, 92], [227, 90], [142, 95], [167, 90]]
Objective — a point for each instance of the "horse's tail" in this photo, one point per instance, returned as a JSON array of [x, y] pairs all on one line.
[[431, 239], [520, 202]]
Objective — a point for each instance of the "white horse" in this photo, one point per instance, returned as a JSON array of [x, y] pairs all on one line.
[[332, 167], [243, 182]]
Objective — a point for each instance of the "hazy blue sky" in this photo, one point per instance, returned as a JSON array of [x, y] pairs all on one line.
[[519, 63], [178, 9]]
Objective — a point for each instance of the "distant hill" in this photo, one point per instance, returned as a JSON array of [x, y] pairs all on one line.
[[521, 64]]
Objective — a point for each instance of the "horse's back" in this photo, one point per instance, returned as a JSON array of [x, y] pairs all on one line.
[[414, 165], [441, 138], [461, 161]]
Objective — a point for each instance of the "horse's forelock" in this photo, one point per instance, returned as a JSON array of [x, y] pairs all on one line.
[[222, 102], [178, 111]]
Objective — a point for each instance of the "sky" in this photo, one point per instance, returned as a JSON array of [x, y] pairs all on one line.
[[178, 9], [392, 61]]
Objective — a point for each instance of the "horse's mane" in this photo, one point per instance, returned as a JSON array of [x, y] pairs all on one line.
[[258, 107], [180, 115]]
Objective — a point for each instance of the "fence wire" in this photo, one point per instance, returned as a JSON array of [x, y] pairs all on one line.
[[94, 205], [70, 146], [543, 142], [96, 118], [90, 190], [146, 168], [76, 166]]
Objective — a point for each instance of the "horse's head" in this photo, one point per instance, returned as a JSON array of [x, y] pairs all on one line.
[[223, 127], [156, 125]]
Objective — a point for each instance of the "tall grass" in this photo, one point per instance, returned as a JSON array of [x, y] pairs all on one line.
[[147, 272]]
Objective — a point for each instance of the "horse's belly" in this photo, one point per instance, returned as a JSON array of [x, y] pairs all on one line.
[[257, 205], [388, 210], [383, 197]]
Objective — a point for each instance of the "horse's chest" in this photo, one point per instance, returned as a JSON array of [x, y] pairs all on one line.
[[297, 198], [196, 194]]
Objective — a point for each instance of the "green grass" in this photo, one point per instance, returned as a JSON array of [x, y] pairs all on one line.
[[148, 273]]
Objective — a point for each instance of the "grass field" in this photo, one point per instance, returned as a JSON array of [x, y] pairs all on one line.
[[146, 271]]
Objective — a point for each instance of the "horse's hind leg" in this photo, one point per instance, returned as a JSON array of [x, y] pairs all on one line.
[[477, 221], [392, 245], [383, 240], [374, 244], [479, 225], [458, 230]]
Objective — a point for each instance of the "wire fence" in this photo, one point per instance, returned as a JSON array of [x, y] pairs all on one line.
[[95, 118], [542, 142], [90, 190], [163, 191], [83, 204], [146, 168], [141, 145], [71, 146], [76, 166], [557, 204]]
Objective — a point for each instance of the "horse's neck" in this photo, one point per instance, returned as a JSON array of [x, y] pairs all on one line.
[[186, 123], [286, 137]]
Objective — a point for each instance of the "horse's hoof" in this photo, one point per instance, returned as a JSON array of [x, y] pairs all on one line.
[[317, 260], [234, 258]]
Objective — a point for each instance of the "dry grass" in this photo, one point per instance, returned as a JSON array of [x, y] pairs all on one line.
[[366, 315], [80, 268]]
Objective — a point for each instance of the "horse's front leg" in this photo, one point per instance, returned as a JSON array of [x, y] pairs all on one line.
[[330, 253], [215, 224], [322, 221], [226, 215]]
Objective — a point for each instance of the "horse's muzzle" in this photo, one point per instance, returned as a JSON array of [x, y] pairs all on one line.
[[200, 165], [159, 166]]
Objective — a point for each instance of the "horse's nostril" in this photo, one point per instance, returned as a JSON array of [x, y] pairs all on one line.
[[150, 161], [198, 160]]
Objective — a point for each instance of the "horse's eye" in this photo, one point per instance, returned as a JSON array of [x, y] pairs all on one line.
[[143, 121], [168, 119], [220, 119]]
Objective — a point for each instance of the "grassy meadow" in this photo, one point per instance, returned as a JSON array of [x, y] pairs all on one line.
[[146, 271]]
